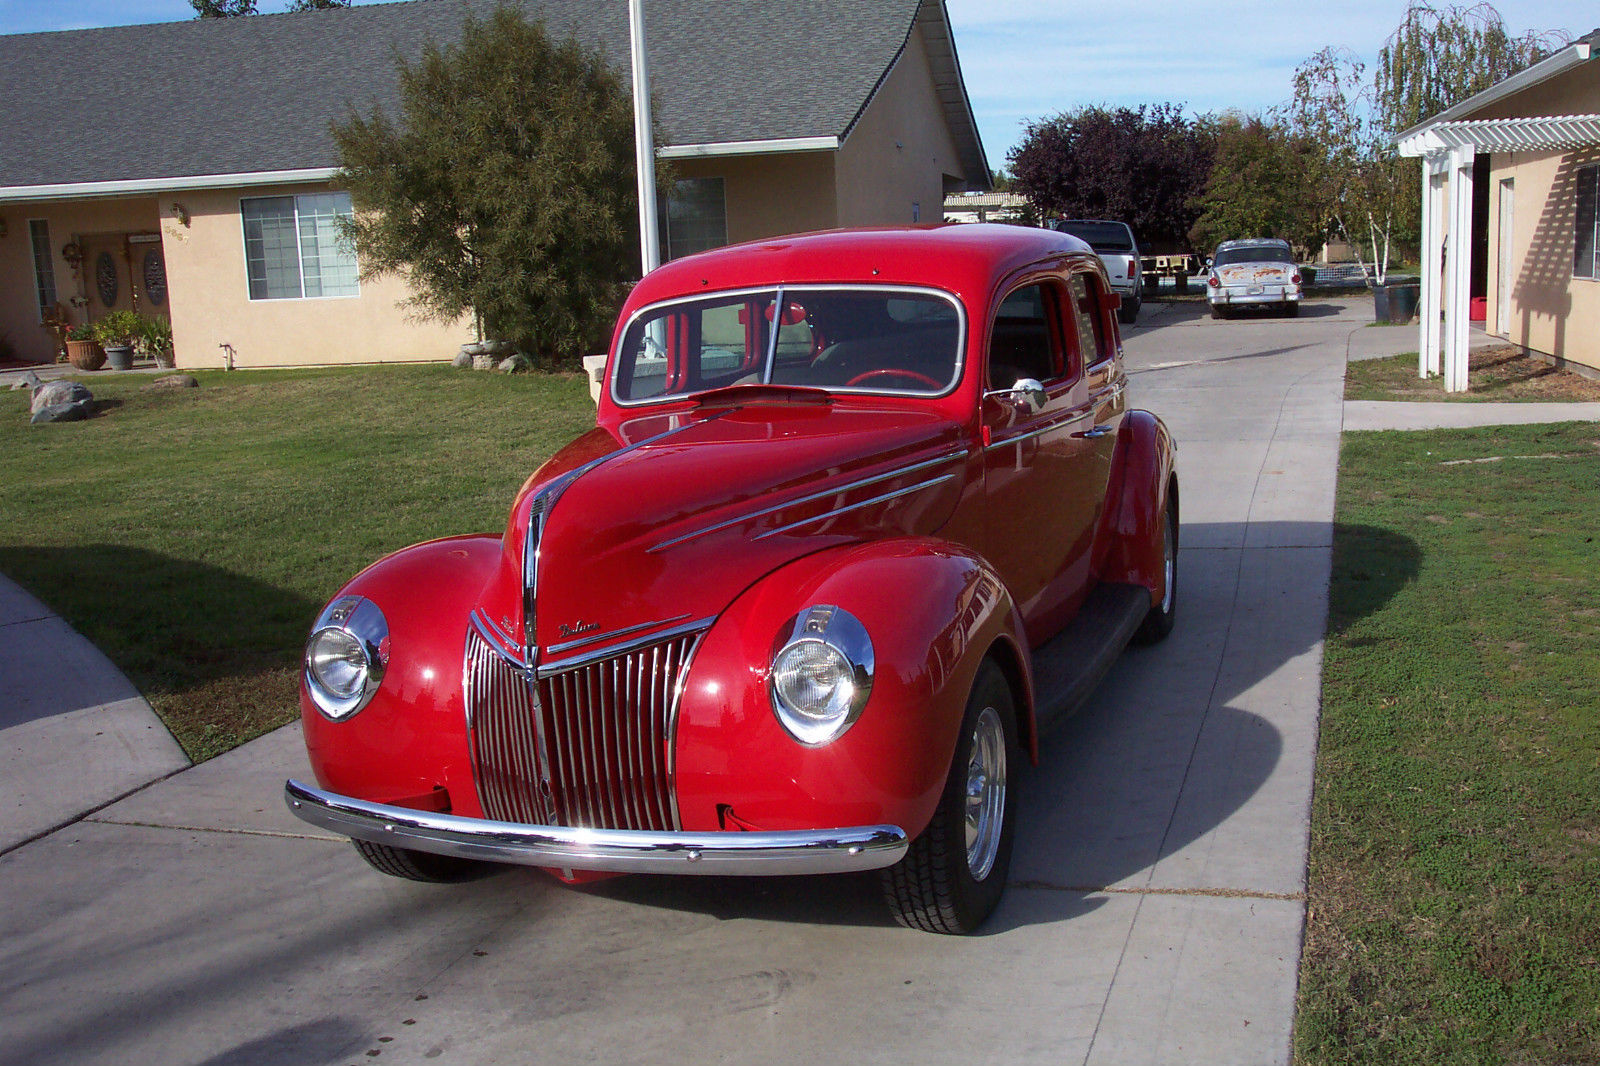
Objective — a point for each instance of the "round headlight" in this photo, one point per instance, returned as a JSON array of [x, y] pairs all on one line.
[[346, 656], [821, 674]]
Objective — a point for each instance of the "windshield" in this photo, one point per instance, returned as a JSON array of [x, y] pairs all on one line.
[[880, 340], [1253, 253], [1101, 236]]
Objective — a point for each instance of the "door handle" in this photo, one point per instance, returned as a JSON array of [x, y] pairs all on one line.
[[1094, 434]]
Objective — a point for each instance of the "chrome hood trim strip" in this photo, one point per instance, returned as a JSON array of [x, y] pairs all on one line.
[[950, 456]]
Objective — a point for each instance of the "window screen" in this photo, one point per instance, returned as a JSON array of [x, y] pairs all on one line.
[[293, 248], [697, 216]]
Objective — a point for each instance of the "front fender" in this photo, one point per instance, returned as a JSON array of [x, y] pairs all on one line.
[[409, 742], [932, 609], [1143, 476]]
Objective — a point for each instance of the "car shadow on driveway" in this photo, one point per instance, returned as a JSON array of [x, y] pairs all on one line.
[[1135, 793]]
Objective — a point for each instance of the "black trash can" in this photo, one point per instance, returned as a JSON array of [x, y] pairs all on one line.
[[1404, 295]]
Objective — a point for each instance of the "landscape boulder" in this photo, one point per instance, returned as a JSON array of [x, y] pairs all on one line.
[[61, 401]]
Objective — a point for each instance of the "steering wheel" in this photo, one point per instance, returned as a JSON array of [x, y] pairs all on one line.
[[894, 372]]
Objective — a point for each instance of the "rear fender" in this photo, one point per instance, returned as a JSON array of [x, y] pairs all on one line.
[[932, 610], [1143, 475]]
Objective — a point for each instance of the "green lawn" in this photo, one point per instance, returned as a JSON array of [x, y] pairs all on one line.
[[193, 534], [1454, 907], [1498, 374]]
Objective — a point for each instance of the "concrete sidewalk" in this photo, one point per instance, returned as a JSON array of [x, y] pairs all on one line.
[[1363, 415], [74, 733]]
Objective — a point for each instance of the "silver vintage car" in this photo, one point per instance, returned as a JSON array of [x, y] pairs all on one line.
[[1256, 272]]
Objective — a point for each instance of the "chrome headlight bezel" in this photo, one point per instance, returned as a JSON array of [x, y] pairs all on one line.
[[827, 634], [359, 623]]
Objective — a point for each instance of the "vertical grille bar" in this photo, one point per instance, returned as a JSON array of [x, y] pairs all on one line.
[[606, 729]]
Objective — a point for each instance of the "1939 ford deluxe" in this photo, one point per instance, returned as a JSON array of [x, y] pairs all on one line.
[[863, 513]]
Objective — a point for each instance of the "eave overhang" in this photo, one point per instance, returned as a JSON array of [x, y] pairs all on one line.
[[91, 190]]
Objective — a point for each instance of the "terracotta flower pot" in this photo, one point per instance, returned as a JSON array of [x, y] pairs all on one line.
[[86, 355]]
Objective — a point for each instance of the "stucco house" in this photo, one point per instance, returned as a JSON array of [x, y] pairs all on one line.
[[184, 168], [1511, 181]]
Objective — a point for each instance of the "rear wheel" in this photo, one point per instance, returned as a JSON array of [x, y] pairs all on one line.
[[1219, 311], [1158, 622], [954, 873], [1128, 313], [1291, 310], [420, 865]]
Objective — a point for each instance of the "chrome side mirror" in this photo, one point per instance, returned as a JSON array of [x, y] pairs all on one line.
[[1028, 394]]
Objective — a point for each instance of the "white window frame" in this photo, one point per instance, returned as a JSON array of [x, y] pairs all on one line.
[[33, 261], [299, 251]]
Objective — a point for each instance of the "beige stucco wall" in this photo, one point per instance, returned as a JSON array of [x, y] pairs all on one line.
[[770, 194], [900, 150], [211, 303], [1551, 311], [68, 221]]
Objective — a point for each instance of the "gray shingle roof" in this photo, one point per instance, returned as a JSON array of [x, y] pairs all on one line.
[[248, 95]]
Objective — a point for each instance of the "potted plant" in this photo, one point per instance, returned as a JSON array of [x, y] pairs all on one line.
[[157, 342], [118, 332], [83, 349]]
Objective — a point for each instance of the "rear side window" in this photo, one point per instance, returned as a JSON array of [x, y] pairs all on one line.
[[1089, 318]]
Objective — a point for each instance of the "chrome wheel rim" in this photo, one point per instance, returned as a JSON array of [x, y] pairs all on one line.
[[1169, 563], [986, 793]]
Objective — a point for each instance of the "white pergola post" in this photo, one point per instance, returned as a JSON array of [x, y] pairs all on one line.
[[1458, 270], [1433, 202], [643, 142]]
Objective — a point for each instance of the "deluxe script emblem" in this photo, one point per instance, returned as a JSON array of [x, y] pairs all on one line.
[[572, 629]]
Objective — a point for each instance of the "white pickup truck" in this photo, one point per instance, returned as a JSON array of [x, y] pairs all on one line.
[[1113, 242]]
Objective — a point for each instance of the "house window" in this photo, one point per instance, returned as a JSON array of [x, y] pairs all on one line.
[[44, 271], [293, 249], [697, 216], [1586, 259]]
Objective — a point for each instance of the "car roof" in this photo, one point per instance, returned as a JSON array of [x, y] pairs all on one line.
[[1254, 242], [969, 259]]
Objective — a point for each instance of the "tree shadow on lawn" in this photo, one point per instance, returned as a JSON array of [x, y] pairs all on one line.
[[215, 652]]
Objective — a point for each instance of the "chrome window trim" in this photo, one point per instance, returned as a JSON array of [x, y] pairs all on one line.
[[837, 511], [957, 374], [949, 456]]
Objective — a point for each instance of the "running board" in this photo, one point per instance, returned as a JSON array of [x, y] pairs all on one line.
[[1068, 667]]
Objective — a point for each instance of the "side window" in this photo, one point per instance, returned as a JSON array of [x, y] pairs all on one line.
[[1089, 316], [1024, 343]]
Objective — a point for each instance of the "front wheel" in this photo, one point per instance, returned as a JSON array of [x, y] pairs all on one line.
[[420, 865], [954, 873]]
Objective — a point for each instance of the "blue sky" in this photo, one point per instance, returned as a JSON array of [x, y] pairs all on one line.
[[1029, 59]]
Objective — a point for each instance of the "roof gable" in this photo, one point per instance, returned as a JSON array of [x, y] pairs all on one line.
[[250, 95]]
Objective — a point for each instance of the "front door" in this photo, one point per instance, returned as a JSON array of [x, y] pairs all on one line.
[[123, 272]]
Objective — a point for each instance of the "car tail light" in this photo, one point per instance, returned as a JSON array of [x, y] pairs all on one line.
[[1295, 280], [1213, 282]]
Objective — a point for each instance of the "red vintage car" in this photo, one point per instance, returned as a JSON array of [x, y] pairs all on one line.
[[863, 512]]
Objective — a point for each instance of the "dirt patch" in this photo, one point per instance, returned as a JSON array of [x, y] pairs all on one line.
[[1503, 372]]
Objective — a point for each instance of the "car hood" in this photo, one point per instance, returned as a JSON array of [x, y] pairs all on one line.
[[664, 522]]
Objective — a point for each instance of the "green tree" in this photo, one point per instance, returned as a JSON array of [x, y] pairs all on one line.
[[506, 187], [221, 9], [1261, 185], [1439, 57]]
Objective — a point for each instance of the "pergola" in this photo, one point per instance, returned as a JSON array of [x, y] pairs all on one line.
[[1447, 145]]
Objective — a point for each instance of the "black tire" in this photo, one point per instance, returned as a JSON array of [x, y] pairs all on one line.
[[1218, 311], [421, 865], [1291, 310], [934, 886], [1128, 313], [1158, 622]]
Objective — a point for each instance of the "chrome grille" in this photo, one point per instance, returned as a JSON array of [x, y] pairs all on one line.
[[599, 735]]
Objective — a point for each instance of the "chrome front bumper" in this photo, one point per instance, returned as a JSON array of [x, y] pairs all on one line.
[[804, 851]]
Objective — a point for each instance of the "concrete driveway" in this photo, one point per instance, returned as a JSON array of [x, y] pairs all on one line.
[[1155, 912]]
